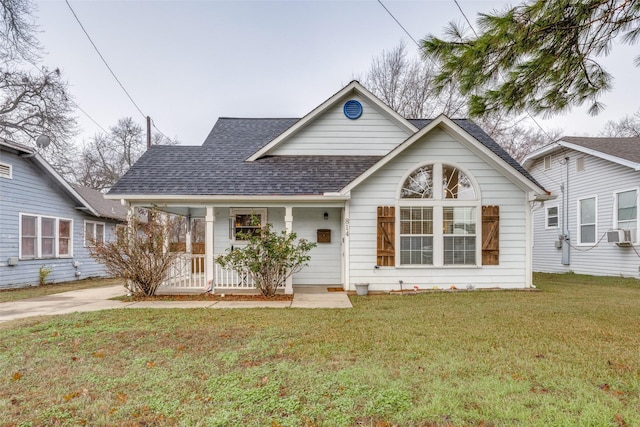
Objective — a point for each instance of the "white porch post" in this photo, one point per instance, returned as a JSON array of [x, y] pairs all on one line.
[[187, 237], [346, 248], [131, 215], [187, 248], [288, 224], [208, 248]]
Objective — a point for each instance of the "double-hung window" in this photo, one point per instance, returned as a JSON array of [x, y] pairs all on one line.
[[551, 219], [45, 237], [416, 235], [626, 211], [587, 221], [439, 210], [93, 233]]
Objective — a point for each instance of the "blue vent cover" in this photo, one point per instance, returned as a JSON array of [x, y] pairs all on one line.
[[352, 109]]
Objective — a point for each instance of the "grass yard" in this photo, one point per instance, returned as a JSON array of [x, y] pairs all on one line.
[[7, 295], [566, 356]]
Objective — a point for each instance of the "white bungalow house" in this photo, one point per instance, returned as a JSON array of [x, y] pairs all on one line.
[[591, 226], [392, 202]]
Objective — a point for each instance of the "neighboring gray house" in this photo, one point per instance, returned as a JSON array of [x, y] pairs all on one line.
[[44, 221], [591, 227], [392, 202]]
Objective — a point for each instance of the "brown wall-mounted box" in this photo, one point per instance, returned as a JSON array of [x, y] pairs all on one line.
[[324, 236]]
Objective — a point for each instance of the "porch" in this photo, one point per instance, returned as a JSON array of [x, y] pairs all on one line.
[[214, 230]]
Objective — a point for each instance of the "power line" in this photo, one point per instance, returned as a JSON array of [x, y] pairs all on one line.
[[90, 118], [464, 15], [398, 22], [104, 60], [35, 66], [476, 34], [112, 73]]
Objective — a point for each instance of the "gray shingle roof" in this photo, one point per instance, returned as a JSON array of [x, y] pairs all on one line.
[[624, 148], [105, 208], [219, 166]]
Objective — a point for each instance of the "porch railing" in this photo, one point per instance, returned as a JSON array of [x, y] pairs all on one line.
[[227, 278], [188, 272]]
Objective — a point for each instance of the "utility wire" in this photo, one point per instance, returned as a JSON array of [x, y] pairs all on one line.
[[87, 114], [398, 22], [476, 34], [75, 104], [104, 60], [111, 71], [464, 15]]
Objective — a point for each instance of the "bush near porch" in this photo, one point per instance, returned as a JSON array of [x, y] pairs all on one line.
[[565, 356]]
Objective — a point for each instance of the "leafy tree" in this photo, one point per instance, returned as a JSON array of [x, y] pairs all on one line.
[[269, 257], [32, 103], [407, 86], [139, 253], [106, 157], [540, 56]]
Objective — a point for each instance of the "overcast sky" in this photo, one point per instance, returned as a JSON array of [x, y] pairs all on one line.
[[186, 63]]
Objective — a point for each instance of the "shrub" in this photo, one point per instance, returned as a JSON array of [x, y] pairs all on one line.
[[270, 258], [138, 253]]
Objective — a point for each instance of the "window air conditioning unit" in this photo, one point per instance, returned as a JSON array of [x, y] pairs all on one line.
[[620, 236]]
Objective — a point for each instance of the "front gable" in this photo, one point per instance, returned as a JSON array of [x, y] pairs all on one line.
[[333, 129], [457, 140]]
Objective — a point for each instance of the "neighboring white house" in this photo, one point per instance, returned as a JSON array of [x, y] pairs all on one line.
[[47, 223], [591, 227], [391, 202]]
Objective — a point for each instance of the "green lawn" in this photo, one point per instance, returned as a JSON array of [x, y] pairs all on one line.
[[566, 356]]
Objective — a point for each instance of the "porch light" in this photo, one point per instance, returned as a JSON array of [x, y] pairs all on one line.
[[326, 216]]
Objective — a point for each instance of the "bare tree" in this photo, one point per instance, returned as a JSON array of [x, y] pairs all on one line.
[[138, 254], [32, 103], [17, 26], [106, 157], [514, 136], [626, 127], [407, 86]]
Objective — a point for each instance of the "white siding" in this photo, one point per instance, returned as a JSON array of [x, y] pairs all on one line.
[[373, 134], [29, 192], [381, 189], [325, 266], [601, 179]]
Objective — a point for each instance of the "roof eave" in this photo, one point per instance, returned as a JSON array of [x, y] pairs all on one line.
[[352, 88], [461, 135], [551, 148]]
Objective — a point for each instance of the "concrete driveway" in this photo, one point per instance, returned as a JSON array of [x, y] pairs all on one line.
[[95, 299]]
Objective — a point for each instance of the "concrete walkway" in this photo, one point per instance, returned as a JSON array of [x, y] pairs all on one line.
[[95, 299]]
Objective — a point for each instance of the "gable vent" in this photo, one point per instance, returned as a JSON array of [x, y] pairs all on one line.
[[5, 170], [352, 109]]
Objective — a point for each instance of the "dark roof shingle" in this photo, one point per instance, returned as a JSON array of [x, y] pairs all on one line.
[[219, 166]]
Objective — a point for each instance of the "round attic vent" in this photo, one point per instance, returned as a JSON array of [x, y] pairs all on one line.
[[352, 109]]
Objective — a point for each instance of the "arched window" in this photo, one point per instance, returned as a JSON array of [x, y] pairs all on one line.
[[439, 207]]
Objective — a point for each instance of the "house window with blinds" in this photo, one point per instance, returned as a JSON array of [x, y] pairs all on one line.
[[439, 221]]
